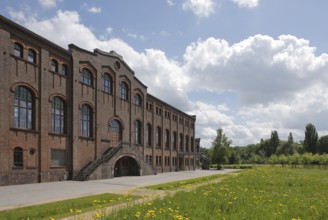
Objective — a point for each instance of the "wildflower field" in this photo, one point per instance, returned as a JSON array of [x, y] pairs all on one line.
[[262, 193]]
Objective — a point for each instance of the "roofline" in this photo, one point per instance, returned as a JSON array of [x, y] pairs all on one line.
[[5, 21]]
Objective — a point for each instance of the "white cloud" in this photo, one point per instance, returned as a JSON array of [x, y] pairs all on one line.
[[94, 10], [48, 3], [278, 83], [109, 30], [201, 8], [170, 2], [136, 36], [246, 3]]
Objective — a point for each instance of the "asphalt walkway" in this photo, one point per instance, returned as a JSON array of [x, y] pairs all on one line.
[[16, 196]]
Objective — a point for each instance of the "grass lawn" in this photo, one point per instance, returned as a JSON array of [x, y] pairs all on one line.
[[64, 208], [260, 193]]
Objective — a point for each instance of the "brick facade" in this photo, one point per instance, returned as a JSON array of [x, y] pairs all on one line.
[[62, 110]]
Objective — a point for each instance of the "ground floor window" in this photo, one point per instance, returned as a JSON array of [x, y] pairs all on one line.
[[18, 157], [58, 158]]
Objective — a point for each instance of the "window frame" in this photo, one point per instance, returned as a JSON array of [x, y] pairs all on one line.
[[23, 108], [138, 100], [54, 65], [18, 50], [86, 77], [31, 59], [108, 83], [138, 132], [124, 91], [158, 137], [86, 121], [58, 115], [18, 157], [58, 158]]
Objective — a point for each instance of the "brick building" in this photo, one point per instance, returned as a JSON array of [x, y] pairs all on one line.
[[76, 114]]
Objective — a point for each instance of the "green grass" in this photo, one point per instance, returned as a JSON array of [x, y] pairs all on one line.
[[185, 183], [260, 193], [65, 208]]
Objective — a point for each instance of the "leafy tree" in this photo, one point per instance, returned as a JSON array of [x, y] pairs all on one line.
[[323, 144], [287, 148], [274, 142], [219, 146], [311, 139], [290, 138]]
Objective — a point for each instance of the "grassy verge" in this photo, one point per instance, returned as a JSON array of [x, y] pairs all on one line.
[[261, 193], [185, 183], [64, 208]]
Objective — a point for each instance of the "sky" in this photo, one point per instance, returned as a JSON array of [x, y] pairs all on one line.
[[246, 66]]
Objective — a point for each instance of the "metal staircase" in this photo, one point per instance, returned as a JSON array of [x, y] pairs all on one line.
[[87, 170], [205, 162]]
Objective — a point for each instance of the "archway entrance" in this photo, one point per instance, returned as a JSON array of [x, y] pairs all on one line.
[[126, 166], [115, 133]]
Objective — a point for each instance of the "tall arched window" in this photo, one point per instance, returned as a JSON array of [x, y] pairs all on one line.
[[187, 143], [31, 56], [138, 132], [23, 108], [86, 77], [148, 135], [58, 116], [63, 70], [54, 65], [158, 137], [18, 50], [108, 83], [167, 138], [174, 140], [86, 121], [181, 142], [138, 100], [124, 91], [18, 157]]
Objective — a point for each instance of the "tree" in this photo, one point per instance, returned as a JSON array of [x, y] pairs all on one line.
[[219, 146], [290, 138], [274, 142], [287, 148], [323, 144], [310, 139]]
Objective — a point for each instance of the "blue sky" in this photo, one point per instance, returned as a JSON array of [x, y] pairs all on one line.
[[247, 66]]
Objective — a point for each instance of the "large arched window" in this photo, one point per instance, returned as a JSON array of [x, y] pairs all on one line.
[[64, 70], [138, 100], [148, 135], [167, 138], [108, 83], [31, 56], [181, 142], [174, 140], [138, 132], [86, 77], [58, 116], [158, 137], [187, 144], [54, 65], [86, 121], [23, 108], [18, 50], [18, 157], [124, 91]]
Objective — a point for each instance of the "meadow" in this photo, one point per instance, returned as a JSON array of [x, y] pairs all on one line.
[[265, 192]]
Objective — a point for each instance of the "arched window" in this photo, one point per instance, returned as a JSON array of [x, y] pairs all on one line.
[[86, 121], [23, 108], [167, 138], [18, 50], [58, 116], [138, 100], [54, 66], [115, 126], [174, 140], [187, 143], [18, 157], [138, 132], [86, 77], [63, 70], [158, 137], [108, 83], [124, 91], [148, 135], [31, 56], [181, 142]]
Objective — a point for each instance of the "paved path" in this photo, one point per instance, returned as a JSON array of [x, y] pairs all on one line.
[[31, 194]]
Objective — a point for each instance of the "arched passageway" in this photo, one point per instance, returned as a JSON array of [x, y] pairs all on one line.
[[126, 166]]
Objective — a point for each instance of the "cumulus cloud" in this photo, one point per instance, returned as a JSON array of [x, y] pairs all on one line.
[[201, 8], [246, 3], [48, 3], [277, 83], [94, 10]]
